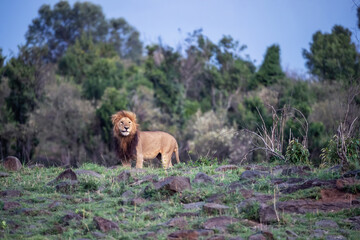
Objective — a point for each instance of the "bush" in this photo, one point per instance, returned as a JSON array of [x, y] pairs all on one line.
[[297, 153]]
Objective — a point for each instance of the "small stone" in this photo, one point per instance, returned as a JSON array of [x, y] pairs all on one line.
[[178, 222], [203, 178], [326, 224], [219, 223], [55, 204], [226, 168], [3, 174], [250, 174], [214, 208], [88, 173], [124, 176], [335, 237], [184, 235], [105, 225], [173, 184], [11, 205], [195, 205], [217, 237], [70, 216], [12, 163], [137, 201], [149, 235], [10, 193], [68, 174], [257, 236], [99, 235], [67, 187]]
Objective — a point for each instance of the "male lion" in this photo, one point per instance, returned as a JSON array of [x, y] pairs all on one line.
[[131, 142]]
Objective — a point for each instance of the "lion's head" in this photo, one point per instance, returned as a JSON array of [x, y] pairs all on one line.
[[124, 124]]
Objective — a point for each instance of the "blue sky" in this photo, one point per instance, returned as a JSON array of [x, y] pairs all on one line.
[[255, 23]]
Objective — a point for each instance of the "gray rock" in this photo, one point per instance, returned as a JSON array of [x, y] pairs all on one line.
[[225, 168], [203, 178], [250, 174], [3, 174], [173, 184], [195, 205], [214, 208], [326, 224], [105, 225], [12, 163], [219, 223], [88, 173]]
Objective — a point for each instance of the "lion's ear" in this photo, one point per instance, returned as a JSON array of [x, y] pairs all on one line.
[[132, 116], [113, 118]]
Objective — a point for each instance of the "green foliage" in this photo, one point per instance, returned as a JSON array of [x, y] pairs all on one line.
[[270, 70], [296, 153], [311, 193], [2, 60], [204, 161], [330, 154], [26, 86], [251, 112], [112, 101], [252, 212], [332, 56]]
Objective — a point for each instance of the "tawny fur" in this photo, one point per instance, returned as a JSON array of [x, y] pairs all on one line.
[[141, 145]]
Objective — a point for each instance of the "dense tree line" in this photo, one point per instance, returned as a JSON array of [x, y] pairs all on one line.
[[77, 68]]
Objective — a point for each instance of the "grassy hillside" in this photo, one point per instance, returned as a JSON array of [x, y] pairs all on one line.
[[35, 206]]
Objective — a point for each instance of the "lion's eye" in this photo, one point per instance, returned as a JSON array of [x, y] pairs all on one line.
[[122, 122], [129, 122]]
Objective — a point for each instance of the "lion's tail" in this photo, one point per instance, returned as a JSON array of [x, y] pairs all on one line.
[[177, 153]]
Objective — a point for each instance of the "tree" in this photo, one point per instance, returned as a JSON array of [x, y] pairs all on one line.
[[2, 60], [332, 56], [270, 70], [112, 101], [26, 79], [58, 28]]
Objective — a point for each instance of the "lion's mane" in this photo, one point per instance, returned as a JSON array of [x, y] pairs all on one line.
[[125, 145]]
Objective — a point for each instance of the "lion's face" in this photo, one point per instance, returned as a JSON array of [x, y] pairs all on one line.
[[125, 126]]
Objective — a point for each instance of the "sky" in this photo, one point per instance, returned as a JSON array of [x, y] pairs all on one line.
[[255, 23]]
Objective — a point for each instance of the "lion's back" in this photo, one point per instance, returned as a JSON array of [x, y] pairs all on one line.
[[154, 140]]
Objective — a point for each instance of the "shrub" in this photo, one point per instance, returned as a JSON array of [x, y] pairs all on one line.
[[297, 153]]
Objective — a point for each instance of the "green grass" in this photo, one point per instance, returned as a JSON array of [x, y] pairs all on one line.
[[102, 197]]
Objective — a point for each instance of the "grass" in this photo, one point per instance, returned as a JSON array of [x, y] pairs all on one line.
[[102, 197]]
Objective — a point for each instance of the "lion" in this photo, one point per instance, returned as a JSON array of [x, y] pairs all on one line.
[[132, 143]]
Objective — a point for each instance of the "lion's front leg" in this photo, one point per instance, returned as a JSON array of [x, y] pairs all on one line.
[[139, 161]]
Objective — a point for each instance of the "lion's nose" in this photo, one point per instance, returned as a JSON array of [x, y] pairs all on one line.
[[126, 128]]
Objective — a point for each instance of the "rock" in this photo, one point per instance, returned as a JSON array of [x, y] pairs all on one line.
[[105, 225], [36, 165], [257, 236], [10, 193], [149, 235], [203, 178], [70, 216], [335, 237], [250, 174], [124, 176], [188, 214], [327, 224], [68, 174], [147, 178], [217, 237], [137, 201], [183, 235], [219, 223], [174, 184], [88, 173], [99, 235], [195, 205], [216, 198], [178, 222], [12, 163], [11, 205], [299, 170], [301, 206], [55, 204], [214, 208], [310, 184], [354, 173], [3, 174], [345, 183], [128, 194], [33, 212], [225, 168], [67, 187]]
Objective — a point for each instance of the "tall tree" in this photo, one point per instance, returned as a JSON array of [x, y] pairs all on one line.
[[58, 28], [332, 56], [26, 74], [2, 60], [270, 70]]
